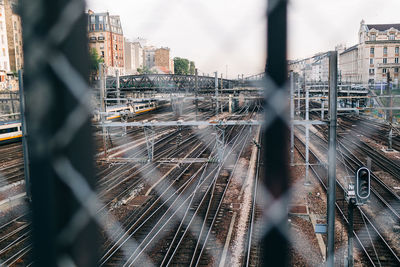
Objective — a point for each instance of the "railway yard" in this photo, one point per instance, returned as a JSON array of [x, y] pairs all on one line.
[[190, 206]]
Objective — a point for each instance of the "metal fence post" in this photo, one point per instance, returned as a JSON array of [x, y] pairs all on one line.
[[332, 157], [291, 118], [196, 89], [216, 93], [55, 77], [118, 87], [307, 182], [103, 105], [275, 244], [24, 135]]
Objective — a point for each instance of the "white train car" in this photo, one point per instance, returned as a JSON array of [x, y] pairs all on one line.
[[130, 110], [10, 132]]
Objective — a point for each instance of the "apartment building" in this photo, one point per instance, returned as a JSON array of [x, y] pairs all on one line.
[[375, 55], [14, 35], [149, 56], [314, 69], [133, 57], [158, 59], [162, 60], [106, 36], [349, 66], [379, 46], [4, 56]]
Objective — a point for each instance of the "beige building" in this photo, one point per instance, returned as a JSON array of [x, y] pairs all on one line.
[[349, 66], [4, 56], [375, 55], [379, 52], [14, 35], [133, 57]]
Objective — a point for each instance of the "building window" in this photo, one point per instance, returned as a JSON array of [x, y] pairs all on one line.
[[371, 61], [396, 60], [4, 51], [384, 70], [385, 60], [392, 36], [371, 71], [396, 50], [102, 54], [15, 25], [396, 70], [2, 39], [1, 25], [372, 37], [372, 51], [385, 50]]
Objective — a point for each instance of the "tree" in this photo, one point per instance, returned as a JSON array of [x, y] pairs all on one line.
[[95, 60], [181, 66], [145, 70], [192, 68]]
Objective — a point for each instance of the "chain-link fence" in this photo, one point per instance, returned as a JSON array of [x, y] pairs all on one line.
[[190, 170]]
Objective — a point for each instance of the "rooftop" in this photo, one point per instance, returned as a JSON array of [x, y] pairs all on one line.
[[383, 27]]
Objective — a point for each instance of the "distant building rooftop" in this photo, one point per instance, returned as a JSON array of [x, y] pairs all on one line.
[[383, 27], [354, 47]]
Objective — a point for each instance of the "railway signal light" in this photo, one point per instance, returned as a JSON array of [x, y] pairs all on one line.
[[363, 189]]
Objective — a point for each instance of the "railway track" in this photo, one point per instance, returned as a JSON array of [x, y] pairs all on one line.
[[252, 256], [121, 182], [376, 250], [15, 240], [150, 228]]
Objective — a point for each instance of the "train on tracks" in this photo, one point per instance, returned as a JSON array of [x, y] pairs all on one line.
[[10, 132], [130, 110]]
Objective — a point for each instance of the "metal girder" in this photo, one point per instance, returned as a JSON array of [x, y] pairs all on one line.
[[169, 82]]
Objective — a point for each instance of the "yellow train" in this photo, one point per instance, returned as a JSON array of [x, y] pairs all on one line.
[[130, 110], [10, 132]]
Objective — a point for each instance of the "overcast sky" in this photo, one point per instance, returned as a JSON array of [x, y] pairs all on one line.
[[220, 33]]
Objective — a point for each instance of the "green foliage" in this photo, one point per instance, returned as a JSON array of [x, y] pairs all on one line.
[[181, 66], [146, 70], [95, 60]]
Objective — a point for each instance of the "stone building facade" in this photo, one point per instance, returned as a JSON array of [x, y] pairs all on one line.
[[149, 56], [375, 55], [379, 46], [106, 36], [133, 57], [349, 66], [162, 59], [14, 35], [4, 55], [314, 69]]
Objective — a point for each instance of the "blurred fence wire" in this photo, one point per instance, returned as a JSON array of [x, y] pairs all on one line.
[[112, 189]]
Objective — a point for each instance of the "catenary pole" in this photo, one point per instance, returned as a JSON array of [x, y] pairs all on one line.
[[332, 157]]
